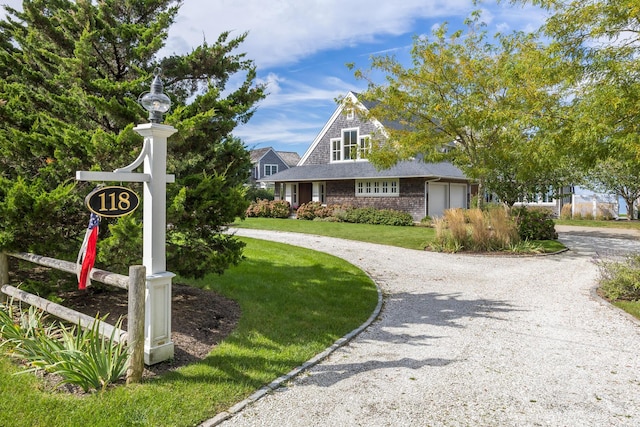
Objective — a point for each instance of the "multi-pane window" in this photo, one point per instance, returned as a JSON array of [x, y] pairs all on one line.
[[351, 146], [270, 170], [547, 197], [335, 149], [364, 147], [377, 187]]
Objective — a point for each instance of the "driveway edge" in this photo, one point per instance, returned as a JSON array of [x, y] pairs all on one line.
[[263, 391]]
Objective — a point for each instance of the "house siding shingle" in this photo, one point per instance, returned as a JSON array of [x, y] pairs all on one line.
[[410, 199], [321, 154]]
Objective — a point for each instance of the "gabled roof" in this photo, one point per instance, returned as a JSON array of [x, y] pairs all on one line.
[[351, 97], [258, 153], [365, 170], [289, 158]]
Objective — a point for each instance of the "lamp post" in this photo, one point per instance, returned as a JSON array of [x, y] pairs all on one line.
[[157, 324], [158, 345]]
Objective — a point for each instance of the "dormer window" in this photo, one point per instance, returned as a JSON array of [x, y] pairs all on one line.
[[350, 114], [352, 146]]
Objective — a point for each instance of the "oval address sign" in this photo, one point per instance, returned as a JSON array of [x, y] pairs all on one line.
[[112, 201]]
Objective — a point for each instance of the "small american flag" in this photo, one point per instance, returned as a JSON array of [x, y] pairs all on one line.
[[87, 254]]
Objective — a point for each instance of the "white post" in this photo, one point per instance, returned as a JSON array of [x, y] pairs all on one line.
[[157, 345]]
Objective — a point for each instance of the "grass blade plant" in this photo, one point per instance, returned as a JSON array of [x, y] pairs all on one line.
[[90, 360], [79, 356]]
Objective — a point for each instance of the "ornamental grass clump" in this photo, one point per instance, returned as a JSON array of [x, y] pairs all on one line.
[[503, 227], [475, 230], [456, 221], [80, 357], [480, 238]]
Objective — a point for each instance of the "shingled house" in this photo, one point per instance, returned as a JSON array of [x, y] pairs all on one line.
[[266, 162], [335, 170]]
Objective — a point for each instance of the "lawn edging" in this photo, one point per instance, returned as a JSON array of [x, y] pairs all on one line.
[[273, 385]]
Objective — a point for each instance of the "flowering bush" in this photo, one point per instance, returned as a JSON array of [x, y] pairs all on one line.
[[313, 210], [269, 209]]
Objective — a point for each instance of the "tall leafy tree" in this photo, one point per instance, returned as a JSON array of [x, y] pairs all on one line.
[[492, 106], [601, 41], [70, 74], [619, 175]]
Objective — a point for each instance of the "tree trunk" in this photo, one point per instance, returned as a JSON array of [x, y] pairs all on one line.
[[481, 193], [629, 203]]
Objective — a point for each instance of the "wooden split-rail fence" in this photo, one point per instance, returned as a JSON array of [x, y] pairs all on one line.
[[134, 283]]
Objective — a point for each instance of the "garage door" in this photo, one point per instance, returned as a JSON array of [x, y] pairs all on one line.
[[437, 199], [458, 196]]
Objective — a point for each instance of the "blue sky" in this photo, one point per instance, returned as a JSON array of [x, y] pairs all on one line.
[[300, 48]]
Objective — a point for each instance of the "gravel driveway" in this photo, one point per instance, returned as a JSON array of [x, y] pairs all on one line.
[[471, 341]]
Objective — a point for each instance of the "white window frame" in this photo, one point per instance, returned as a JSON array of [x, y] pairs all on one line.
[[377, 187], [336, 149], [538, 199], [270, 168], [351, 114], [359, 147]]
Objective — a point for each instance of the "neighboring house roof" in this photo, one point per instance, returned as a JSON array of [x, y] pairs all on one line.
[[364, 170], [258, 153], [289, 158]]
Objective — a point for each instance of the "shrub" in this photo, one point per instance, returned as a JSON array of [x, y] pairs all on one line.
[[280, 209], [253, 194], [269, 209], [426, 221], [374, 216], [605, 212], [621, 280], [535, 224], [313, 210], [565, 212]]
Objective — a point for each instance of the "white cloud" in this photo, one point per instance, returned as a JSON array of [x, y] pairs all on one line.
[[282, 32]]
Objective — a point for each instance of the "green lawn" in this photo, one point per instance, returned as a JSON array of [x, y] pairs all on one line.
[[406, 237], [295, 303], [631, 307]]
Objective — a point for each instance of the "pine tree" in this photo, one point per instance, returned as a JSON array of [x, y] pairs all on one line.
[[70, 74]]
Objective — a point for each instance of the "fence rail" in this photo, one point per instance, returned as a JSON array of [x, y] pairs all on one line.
[[134, 283]]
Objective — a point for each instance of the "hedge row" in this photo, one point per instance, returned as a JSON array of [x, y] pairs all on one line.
[[316, 211]]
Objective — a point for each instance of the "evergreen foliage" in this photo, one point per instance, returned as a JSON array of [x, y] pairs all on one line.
[[70, 74]]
